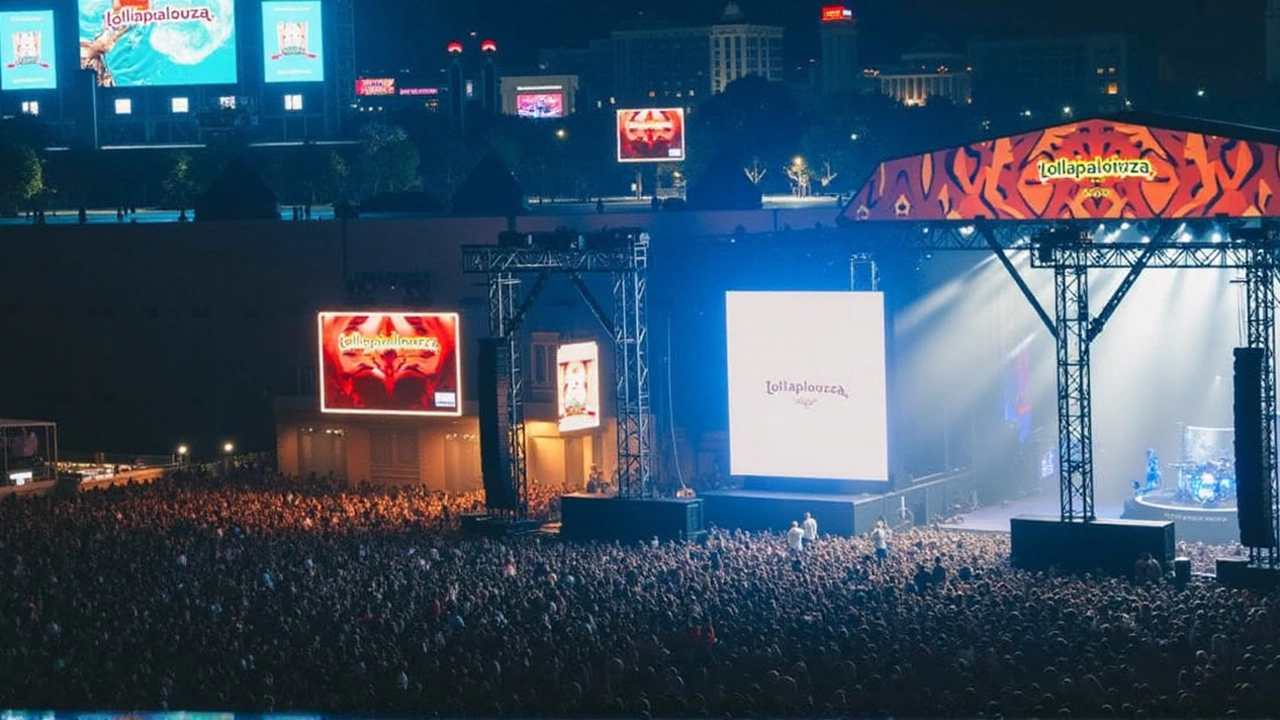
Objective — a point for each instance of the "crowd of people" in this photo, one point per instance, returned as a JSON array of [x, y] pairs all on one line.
[[255, 594]]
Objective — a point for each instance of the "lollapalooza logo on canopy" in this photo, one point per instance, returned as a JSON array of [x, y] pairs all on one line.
[[805, 394], [1099, 168], [139, 12]]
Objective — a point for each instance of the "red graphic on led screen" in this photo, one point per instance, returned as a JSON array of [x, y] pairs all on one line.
[[389, 363], [651, 135], [1093, 169], [540, 105]]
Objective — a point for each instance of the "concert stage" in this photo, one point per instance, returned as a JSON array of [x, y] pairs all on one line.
[[600, 517], [1197, 522]]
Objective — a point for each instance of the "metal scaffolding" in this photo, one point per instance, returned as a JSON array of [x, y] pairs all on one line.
[[621, 253], [1260, 327]]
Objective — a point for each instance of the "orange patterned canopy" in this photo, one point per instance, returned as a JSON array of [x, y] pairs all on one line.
[[1095, 169]]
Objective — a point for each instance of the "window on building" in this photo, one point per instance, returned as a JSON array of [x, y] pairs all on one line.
[[124, 106], [227, 102], [293, 103], [1113, 88], [542, 361], [30, 107], [181, 105]]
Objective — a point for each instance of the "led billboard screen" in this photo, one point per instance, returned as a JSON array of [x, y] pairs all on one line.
[[651, 135], [389, 363], [135, 43], [578, 386], [540, 105], [807, 386], [293, 41], [374, 87], [28, 57]]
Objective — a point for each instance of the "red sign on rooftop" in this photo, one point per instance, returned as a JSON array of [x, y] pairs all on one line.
[[836, 13]]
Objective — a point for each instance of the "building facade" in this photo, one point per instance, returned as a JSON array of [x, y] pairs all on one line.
[[739, 49], [592, 65], [921, 77], [662, 65], [1072, 75]]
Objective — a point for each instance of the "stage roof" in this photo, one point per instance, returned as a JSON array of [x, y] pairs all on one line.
[[1128, 167]]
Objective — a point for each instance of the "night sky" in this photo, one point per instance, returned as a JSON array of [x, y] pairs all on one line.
[[395, 34]]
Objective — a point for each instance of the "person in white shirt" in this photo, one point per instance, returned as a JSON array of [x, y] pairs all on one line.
[[795, 538], [880, 537], [810, 527]]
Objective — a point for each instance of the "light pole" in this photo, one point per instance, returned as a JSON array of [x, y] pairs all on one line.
[[183, 451], [227, 449]]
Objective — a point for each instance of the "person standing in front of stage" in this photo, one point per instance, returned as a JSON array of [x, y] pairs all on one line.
[[795, 538], [880, 538], [810, 527]]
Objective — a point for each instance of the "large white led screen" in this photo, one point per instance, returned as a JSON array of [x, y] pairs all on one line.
[[807, 387]]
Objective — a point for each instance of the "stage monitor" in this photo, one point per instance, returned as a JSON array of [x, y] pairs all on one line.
[[807, 387], [28, 55], [375, 87], [292, 41], [136, 43], [389, 363], [651, 135], [578, 386], [540, 104]]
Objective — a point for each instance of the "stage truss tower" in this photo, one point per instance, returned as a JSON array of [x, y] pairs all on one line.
[[624, 255]]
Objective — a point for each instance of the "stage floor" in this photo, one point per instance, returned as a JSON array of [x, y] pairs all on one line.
[[996, 517]]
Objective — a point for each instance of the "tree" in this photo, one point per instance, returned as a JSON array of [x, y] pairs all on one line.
[[179, 185], [801, 176], [23, 178], [826, 175], [752, 118], [388, 161]]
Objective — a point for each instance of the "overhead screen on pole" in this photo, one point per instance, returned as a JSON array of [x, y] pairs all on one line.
[[135, 43], [293, 42], [807, 385], [28, 56], [651, 135]]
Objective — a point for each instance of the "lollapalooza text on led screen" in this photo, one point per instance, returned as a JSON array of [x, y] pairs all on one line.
[[808, 393], [135, 43], [389, 363]]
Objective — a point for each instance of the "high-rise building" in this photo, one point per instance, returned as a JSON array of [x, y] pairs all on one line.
[[687, 64], [592, 65], [739, 49], [1096, 72], [839, 64], [662, 65]]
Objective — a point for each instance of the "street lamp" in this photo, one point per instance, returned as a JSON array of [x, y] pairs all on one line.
[[228, 447], [560, 134], [183, 450]]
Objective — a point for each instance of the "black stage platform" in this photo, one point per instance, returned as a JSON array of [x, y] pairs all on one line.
[[1113, 546], [1207, 523], [765, 510], [600, 517]]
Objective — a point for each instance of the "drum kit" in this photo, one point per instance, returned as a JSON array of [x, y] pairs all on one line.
[[1206, 483]]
